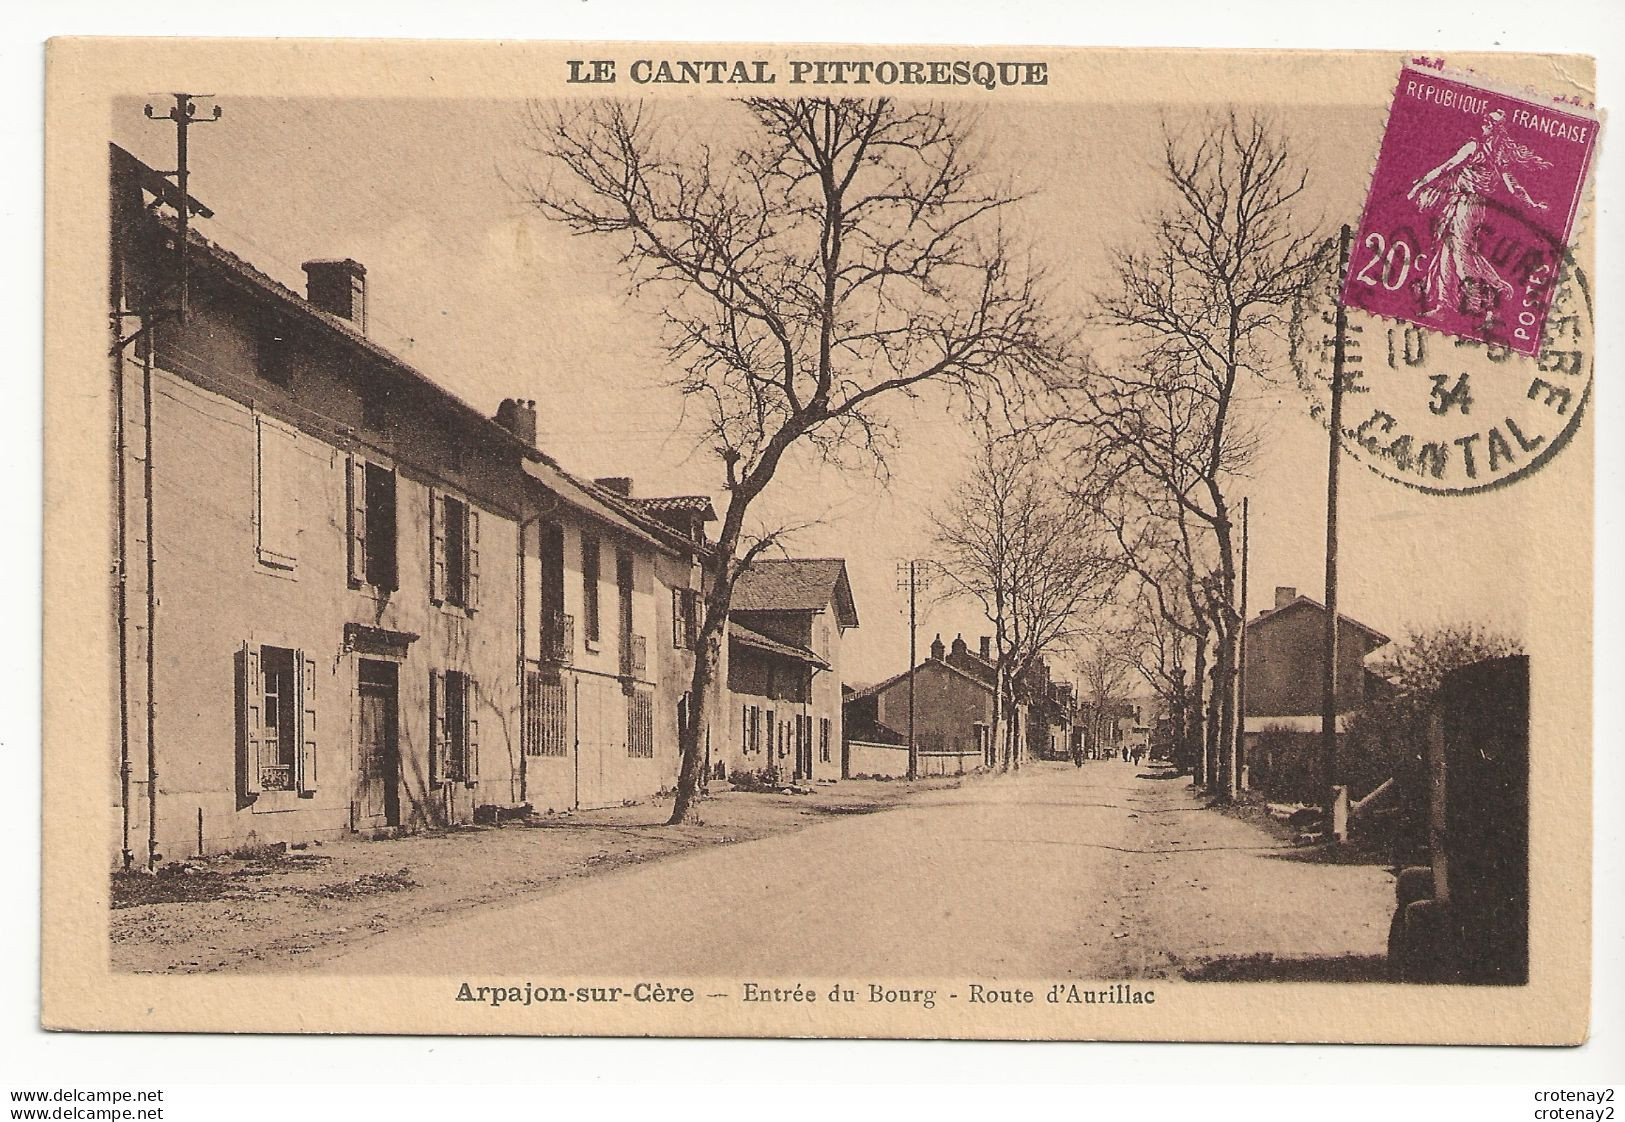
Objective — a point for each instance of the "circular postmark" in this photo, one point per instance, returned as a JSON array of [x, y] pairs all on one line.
[[1442, 413]]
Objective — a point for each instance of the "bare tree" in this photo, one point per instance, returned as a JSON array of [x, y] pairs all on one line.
[[1031, 553], [1107, 664], [1200, 305], [839, 254]]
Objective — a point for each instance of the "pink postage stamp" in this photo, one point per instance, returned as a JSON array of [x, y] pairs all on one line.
[[1471, 207]]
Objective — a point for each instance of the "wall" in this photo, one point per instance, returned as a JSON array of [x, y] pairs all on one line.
[[1284, 654], [215, 595], [947, 708], [890, 761]]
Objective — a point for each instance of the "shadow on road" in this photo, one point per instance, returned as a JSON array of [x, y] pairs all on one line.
[[1269, 968]]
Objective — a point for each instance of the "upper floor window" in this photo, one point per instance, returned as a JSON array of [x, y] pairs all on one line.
[[454, 552], [276, 493], [273, 360], [589, 587], [372, 526]]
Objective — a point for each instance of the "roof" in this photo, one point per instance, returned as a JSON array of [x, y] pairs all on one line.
[[1376, 637], [796, 584], [750, 637], [539, 466], [940, 664], [681, 504]]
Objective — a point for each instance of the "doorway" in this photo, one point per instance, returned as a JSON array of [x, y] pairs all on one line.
[[378, 772]]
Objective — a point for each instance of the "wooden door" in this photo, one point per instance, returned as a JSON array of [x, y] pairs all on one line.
[[378, 795]]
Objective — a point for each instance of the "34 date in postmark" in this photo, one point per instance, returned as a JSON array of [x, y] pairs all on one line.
[[1472, 205], [1449, 414]]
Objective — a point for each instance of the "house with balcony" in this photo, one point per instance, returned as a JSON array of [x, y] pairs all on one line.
[[785, 629], [610, 602]]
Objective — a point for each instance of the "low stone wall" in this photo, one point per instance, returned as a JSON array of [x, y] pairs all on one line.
[[891, 760]]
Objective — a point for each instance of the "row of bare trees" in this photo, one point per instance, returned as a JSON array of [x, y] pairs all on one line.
[[813, 260]]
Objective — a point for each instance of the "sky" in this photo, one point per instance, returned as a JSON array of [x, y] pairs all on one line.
[[468, 282]]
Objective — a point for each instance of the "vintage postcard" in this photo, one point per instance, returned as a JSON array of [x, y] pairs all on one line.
[[685, 540]]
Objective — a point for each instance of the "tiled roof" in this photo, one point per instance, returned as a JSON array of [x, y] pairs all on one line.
[[683, 504], [1375, 637], [938, 663], [796, 584], [750, 637]]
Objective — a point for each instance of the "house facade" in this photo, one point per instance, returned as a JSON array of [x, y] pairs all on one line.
[[953, 721], [347, 602], [785, 629], [1283, 690]]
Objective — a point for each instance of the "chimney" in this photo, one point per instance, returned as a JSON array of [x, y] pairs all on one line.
[[959, 646], [519, 418], [620, 484], [937, 649], [340, 288], [987, 647], [1284, 595]]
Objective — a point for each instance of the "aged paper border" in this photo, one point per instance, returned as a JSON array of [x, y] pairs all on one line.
[[79, 991]]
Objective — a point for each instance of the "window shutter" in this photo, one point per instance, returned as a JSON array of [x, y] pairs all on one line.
[[358, 520], [471, 741], [307, 721], [678, 625], [437, 728], [276, 493], [471, 595], [437, 547], [253, 717]]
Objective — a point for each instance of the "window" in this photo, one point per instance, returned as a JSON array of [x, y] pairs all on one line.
[[772, 735], [589, 588], [276, 493], [640, 725], [454, 740], [454, 552], [823, 739], [624, 573], [372, 526], [546, 723], [272, 354], [685, 618], [277, 715]]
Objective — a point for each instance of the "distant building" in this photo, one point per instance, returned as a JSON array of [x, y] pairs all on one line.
[[785, 628], [953, 720], [1284, 684]]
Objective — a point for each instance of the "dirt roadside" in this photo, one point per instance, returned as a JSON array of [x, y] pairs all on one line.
[[263, 912]]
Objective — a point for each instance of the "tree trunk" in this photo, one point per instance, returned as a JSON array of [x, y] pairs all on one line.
[[707, 658], [1195, 732]]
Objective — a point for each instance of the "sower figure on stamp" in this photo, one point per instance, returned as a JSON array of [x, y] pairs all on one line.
[[1473, 172]]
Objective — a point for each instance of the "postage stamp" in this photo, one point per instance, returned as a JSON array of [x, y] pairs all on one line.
[[1471, 208]]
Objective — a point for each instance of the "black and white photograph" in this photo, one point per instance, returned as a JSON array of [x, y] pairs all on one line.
[[767, 541]]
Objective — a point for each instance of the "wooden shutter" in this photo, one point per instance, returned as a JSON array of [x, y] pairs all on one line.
[[307, 721], [678, 625], [437, 547], [471, 738], [358, 520], [276, 493], [437, 728], [471, 565], [253, 717]]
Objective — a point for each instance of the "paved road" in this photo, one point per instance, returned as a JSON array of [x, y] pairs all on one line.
[[1058, 872]]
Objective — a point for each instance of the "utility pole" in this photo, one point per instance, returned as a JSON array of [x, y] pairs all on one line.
[[1238, 742], [918, 578], [184, 115], [1336, 795]]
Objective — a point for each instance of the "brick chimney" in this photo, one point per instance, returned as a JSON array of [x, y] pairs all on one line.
[[620, 484], [1284, 595], [518, 417], [987, 648], [340, 288], [937, 649]]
